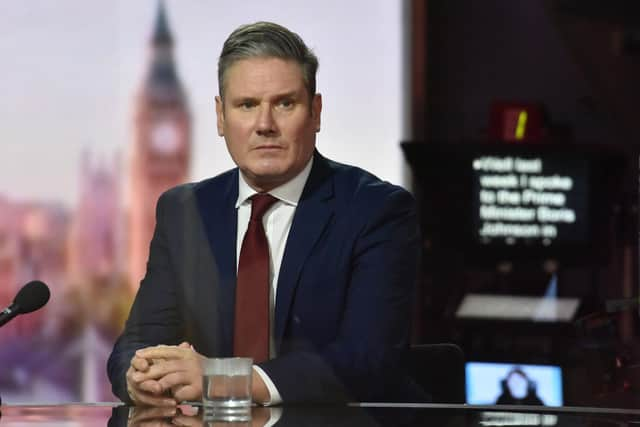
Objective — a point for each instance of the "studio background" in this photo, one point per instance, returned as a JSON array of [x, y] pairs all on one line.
[[70, 79]]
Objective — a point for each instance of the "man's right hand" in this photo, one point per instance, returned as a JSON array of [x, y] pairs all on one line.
[[145, 392]]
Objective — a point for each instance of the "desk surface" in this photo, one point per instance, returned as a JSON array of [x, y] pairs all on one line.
[[113, 414]]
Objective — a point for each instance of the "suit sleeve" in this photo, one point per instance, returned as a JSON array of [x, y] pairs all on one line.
[[154, 318], [363, 362]]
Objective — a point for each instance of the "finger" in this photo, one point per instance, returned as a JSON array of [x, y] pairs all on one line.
[[148, 413], [164, 352], [152, 387], [188, 392], [183, 375], [160, 422], [156, 361], [134, 379], [148, 399], [183, 385], [139, 363], [158, 371], [185, 420], [174, 379], [188, 410]]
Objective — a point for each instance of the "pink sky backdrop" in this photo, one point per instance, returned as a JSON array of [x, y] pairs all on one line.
[[70, 69]]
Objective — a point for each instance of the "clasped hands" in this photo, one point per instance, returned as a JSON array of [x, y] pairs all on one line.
[[167, 375]]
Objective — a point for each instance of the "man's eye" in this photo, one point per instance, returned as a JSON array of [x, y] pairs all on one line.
[[286, 103], [247, 105]]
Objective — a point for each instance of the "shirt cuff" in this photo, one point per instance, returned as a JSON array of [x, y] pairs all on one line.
[[275, 398], [274, 416]]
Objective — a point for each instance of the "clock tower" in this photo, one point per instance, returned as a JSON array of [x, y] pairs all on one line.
[[161, 144]]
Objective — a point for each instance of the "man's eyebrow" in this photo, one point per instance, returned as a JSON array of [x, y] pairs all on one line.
[[288, 94], [242, 97], [235, 100]]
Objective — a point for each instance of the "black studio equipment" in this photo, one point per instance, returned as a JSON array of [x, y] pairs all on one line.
[[606, 315], [618, 361], [31, 297]]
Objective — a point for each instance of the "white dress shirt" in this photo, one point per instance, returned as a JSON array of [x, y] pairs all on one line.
[[277, 223]]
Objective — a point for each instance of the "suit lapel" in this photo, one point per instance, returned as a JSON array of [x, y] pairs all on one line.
[[312, 215], [200, 280], [219, 217]]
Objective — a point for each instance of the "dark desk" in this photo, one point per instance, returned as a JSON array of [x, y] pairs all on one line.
[[112, 414]]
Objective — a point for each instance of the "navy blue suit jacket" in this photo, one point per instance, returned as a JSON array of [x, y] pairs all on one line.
[[343, 304]]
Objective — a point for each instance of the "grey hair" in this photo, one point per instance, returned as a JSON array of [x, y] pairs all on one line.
[[267, 40]]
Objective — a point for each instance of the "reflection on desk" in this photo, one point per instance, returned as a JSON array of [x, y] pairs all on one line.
[[369, 415]]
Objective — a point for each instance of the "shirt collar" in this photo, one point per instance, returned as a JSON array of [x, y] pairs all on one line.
[[289, 192]]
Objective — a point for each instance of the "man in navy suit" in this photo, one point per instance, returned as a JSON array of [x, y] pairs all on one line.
[[343, 252]]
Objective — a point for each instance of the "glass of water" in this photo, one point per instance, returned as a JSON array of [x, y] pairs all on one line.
[[226, 385]]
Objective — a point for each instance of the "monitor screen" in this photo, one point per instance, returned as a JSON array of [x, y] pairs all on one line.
[[488, 202], [513, 384], [532, 199]]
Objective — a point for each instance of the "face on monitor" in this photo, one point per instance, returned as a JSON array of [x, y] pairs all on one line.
[[513, 384]]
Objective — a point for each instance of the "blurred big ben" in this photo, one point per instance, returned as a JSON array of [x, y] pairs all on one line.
[[161, 144]]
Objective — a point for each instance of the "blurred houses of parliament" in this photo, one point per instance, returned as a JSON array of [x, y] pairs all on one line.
[[93, 255]]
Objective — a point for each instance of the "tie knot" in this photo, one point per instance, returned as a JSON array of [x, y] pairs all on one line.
[[260, 203]]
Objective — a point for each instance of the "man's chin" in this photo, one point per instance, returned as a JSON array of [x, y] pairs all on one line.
[[267, 179]]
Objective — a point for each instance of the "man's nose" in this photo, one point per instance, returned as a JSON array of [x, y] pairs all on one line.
[[266, 125]]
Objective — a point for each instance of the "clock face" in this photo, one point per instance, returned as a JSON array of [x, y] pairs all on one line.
[[164, 138]]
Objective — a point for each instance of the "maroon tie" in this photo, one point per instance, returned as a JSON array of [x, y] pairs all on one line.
[[251, 333]]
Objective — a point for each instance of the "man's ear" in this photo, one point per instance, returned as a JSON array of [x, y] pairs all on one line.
[[316, 110], [220, 115]]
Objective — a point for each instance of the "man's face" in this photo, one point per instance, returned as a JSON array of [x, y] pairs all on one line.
[[267, 120], [518, 385]]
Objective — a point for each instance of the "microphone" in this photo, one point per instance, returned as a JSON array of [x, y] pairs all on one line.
[[30, 298]]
